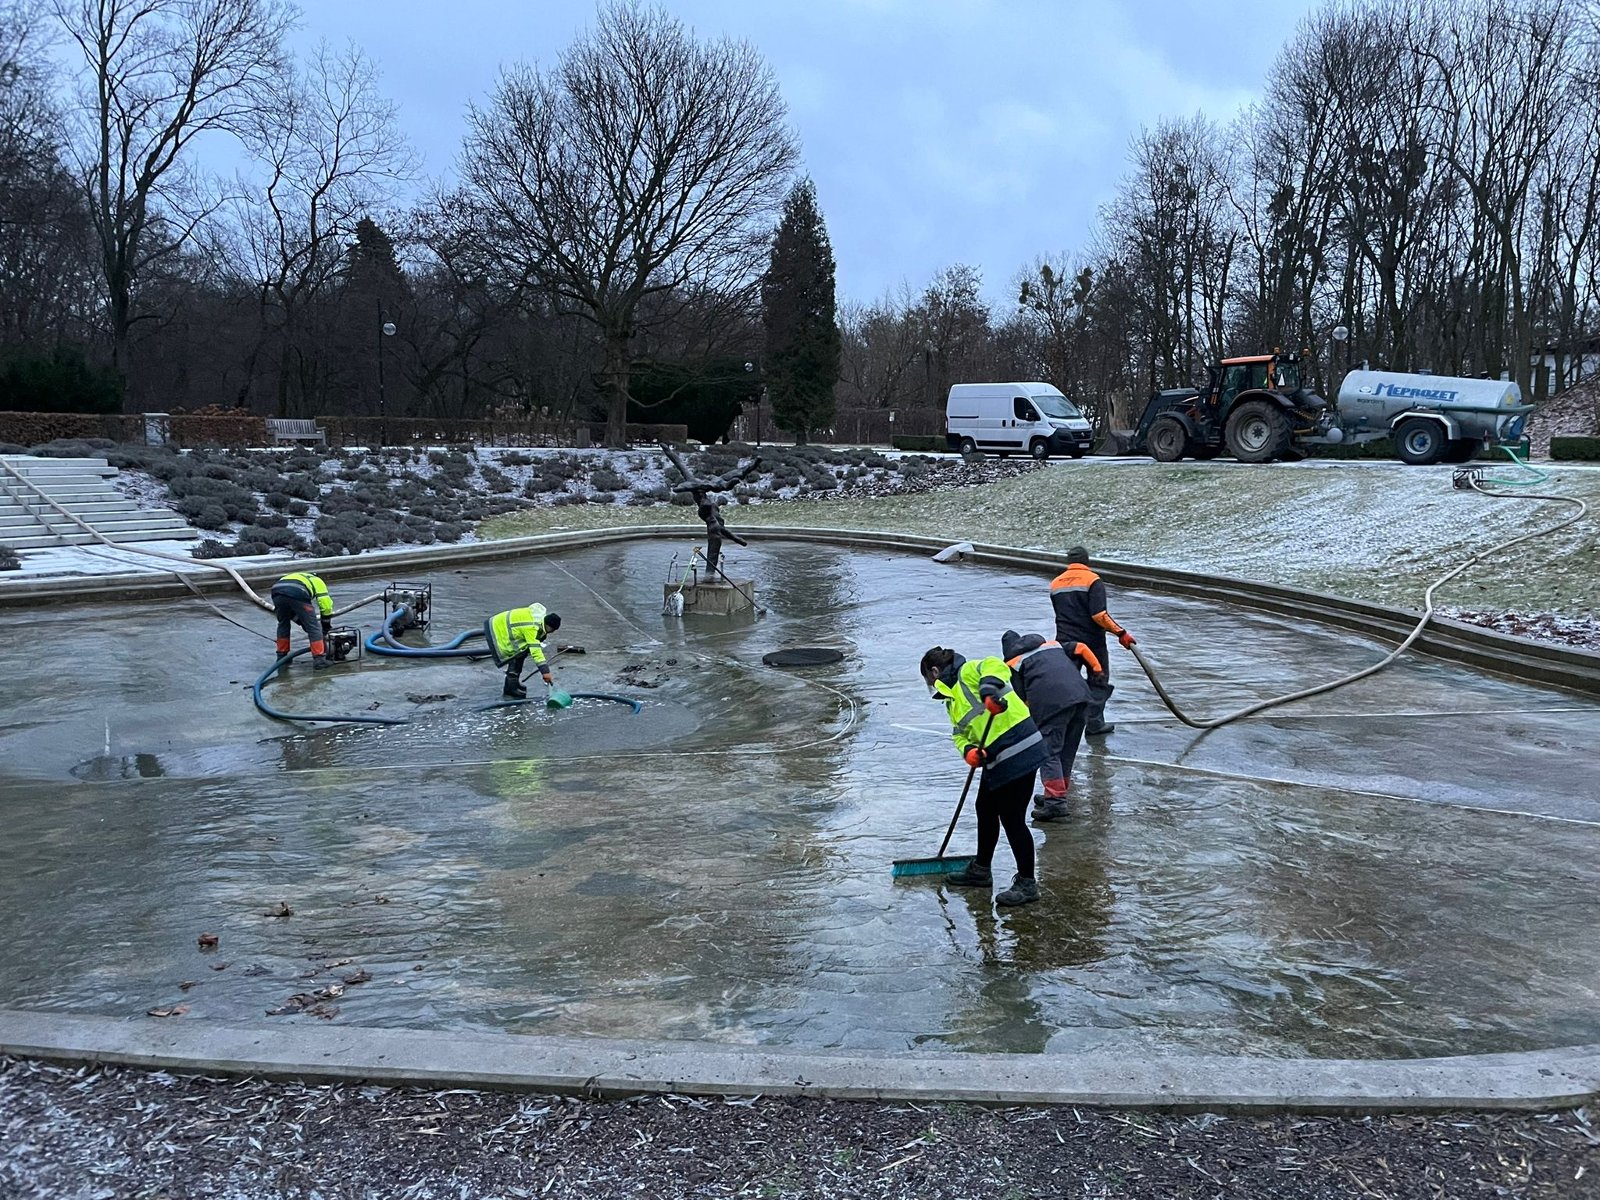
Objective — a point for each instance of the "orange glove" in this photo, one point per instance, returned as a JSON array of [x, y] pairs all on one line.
[[548, 682], [976, 756], [1127, 640], [994, 704]]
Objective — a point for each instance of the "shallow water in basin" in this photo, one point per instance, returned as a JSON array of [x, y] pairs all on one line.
[[1406, 867]]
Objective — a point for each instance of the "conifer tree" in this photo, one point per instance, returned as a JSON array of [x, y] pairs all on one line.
[[797, 302]]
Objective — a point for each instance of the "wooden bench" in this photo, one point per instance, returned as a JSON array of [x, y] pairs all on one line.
[[294, 429]]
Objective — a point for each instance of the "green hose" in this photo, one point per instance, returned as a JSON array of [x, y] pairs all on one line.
[[1538, 475]]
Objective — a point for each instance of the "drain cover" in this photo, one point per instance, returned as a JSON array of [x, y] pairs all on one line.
[[803, 656]]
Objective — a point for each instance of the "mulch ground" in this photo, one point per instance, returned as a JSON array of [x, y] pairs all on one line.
[[113, 1133]]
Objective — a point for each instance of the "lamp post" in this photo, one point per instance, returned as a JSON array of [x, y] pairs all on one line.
[[1341, 338], [760, 391], [385, 329]]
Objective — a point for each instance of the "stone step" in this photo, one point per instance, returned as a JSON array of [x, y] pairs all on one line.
[[119, 504], [111, 529], [26, 463], [45, 541], [72, 489]]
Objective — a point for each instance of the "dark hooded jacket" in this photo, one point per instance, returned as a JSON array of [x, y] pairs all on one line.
[[1043, 674]]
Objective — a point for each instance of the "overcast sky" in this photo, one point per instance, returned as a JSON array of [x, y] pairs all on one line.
[[937, 131]]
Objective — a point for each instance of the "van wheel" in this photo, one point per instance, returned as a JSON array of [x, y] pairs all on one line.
[[967, 446], [1039, 448]]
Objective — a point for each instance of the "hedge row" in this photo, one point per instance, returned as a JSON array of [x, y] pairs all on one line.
[[190, 430], [921, 444], [1575, 449]]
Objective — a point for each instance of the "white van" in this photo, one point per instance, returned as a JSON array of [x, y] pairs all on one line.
[[1026, 418]]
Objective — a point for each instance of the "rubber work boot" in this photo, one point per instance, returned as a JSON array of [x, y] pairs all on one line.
[[1052, 810], [321, 664], [1100, 730], [1024, 889], [514, 689], [975, 875]]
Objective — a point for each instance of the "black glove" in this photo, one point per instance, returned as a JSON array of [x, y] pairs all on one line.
[[327, 626]]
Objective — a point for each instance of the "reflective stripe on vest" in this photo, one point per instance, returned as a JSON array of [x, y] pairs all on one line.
[[314, 585], [510, 631], [1033, 739]]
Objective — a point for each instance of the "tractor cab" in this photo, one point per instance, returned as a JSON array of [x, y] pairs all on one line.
[[1263, 372]]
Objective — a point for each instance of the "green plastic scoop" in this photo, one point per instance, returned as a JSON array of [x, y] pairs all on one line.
[[558, 699]]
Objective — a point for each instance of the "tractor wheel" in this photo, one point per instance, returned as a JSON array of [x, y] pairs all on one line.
[[1039, 448], [1460, 450], [1419, 442], [1258, 431], [1168, 439]]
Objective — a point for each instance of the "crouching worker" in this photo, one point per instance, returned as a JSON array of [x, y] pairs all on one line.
[[995, 732], [302, 598], [516, 635], [1045, 674]]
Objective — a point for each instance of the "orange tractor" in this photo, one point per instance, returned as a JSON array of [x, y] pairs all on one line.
[[1253, 407]]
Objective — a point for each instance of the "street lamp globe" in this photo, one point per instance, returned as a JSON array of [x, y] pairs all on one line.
[[388, 329], [1340, 333]]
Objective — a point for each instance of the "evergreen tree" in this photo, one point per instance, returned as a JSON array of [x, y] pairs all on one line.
[[797, 305]]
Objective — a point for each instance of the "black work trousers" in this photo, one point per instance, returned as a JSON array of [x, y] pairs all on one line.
[[293, 605], [1006, 805]]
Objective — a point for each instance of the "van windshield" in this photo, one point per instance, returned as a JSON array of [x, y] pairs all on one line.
[[1055, 406]]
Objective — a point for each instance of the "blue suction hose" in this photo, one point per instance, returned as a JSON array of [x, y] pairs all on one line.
[[382, 642], [276, 715]]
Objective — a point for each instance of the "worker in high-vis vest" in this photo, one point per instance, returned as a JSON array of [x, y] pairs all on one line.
[[517, 635], [302, 598], [1045, 674], [1078, 597], [995, 732]]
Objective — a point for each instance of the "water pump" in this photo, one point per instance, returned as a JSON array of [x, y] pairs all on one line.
[[415, 598]]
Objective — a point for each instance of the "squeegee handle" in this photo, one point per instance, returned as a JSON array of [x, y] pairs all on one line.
[[962, 803]]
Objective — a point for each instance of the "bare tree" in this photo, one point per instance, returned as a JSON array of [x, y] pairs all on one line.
[[645, 164], [46, 247], [156, 75], [329, 152]]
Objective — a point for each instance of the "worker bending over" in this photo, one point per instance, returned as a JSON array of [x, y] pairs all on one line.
[[516, 635], [994, 731], [1079, 599], [302, 598], [1045, 674]]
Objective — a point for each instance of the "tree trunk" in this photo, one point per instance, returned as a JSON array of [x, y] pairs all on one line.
[[618, 345]]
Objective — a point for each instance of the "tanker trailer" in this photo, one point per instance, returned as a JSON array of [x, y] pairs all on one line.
[[1430, 418]]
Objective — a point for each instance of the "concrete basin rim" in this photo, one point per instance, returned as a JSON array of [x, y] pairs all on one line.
[[614, 1068], [1484, 649]]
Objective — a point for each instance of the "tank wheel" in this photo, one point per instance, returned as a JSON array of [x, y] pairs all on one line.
[[1258, 431], [1168, 439], [967, 446], [1459, 450], [1419, 442], [1039, 448]]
